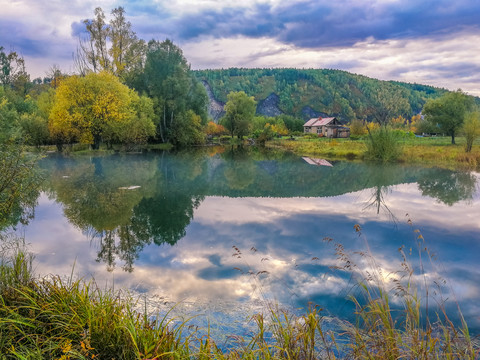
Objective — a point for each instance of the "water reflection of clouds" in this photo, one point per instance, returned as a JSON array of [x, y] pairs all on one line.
[[451, 232], [287, 234]]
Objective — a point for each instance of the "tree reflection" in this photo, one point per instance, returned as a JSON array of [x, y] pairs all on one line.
[[448, 186], [125, 205], [165, 217], [382, 179], [20, 180]]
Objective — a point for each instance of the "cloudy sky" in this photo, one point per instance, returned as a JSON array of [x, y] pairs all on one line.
[[435, 42]]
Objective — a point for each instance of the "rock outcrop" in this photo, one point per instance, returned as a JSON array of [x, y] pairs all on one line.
[[269, 106], [309, 113], [215, 107]]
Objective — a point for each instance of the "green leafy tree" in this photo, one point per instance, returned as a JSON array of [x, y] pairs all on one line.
[[239, 112], [471, 129], [448, 111], [88, 108], [12, 71], [136, 129], [357, 128], [187, 130], [8, 119], [167, 79], [389, 101], [34, 129]]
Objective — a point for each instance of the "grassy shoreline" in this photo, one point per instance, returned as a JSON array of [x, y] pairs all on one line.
[[435, 151], [56, 318]]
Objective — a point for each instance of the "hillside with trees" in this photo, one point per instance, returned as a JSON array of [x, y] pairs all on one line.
[[306, 93]]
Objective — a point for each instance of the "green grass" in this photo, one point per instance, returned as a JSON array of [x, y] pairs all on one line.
[[436, 151], [55, 318]]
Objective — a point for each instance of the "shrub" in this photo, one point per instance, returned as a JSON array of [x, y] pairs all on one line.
[[383, 145], [357, 128], [310, 136]]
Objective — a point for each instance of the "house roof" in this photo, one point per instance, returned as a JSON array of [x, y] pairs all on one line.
[[319, 121]]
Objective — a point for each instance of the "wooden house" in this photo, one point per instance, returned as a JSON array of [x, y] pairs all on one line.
[[327, 127]]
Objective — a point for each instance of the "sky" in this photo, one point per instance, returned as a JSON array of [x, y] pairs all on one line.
[[433, 42]]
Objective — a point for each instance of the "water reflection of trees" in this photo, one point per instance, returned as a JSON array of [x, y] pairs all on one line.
[[383, 179], [448, 186], [121, 221], [125, 204]]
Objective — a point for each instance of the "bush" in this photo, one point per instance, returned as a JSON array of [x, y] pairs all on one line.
[[310, 136], [383, 145], [357, 128]]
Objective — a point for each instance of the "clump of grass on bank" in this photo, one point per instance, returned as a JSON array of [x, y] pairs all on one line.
[[53, 318], [383, 145]]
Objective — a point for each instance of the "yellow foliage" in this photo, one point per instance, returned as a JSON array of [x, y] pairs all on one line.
[[280, 129], [398, 122], [414, 121], [87, 109], [373, 126]]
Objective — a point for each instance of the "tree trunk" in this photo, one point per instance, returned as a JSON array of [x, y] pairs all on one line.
[[453, 138], [96, 142]]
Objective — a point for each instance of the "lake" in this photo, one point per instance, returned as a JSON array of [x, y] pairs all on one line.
[[225, 231]]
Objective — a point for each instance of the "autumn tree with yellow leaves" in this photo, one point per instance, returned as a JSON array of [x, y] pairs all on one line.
[[98, 107]]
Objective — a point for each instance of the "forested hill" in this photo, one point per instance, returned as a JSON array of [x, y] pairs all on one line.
[[307, 93]]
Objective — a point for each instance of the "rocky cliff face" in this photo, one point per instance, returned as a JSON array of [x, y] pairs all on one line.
[[215, 107], [269, 106], [309, 113]]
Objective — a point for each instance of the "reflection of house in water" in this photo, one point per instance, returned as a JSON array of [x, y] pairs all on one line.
[[318, 162], [328, 127]]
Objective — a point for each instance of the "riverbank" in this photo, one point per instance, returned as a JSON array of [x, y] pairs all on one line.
[[428, 151]]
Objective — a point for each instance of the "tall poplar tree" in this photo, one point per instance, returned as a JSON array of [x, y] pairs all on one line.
[[111, 46]]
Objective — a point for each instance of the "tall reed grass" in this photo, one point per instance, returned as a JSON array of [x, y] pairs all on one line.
[[55, 318], [383, 144]]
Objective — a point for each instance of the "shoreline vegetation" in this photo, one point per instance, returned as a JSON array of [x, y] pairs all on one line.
[[427, 151], [66, 318]]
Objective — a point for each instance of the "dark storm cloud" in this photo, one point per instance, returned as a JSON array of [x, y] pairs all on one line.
[[316, 23], [12, 39]]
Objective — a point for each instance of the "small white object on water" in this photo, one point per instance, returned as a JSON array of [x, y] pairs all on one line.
[[129, 187]]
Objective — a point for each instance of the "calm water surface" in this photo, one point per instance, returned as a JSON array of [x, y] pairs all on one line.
[[166, 225]]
